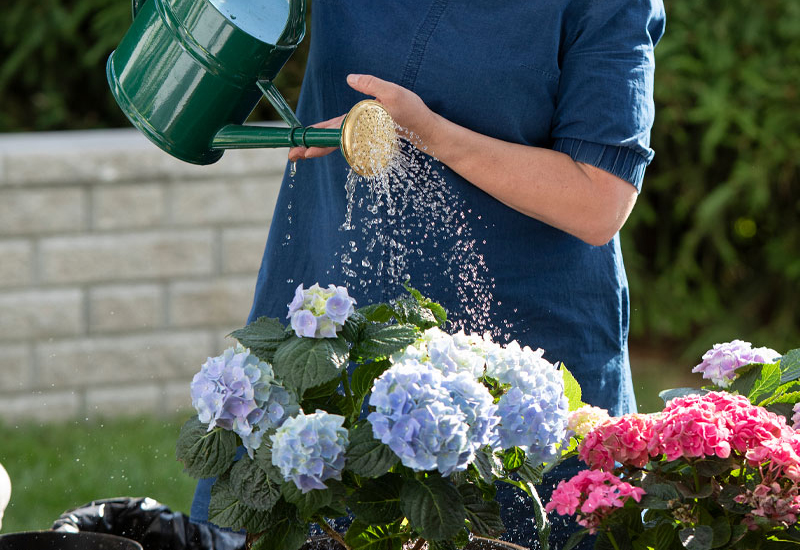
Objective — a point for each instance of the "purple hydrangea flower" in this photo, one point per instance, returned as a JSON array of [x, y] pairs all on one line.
[[449, 353], [238, 392], [320, 313], [535, 411], [720, 362], [309, 449], [429, 420], [796, 416]]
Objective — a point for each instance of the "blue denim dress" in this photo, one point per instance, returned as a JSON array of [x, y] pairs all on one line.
[[575, 76]]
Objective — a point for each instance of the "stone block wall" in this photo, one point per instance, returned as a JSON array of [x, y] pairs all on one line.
[[121, 269]]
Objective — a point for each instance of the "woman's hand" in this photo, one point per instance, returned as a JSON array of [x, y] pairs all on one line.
[[405, 107]]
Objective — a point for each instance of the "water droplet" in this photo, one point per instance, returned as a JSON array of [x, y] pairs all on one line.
[[293, 168]]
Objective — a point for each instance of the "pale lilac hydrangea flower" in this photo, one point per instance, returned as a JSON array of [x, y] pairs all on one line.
[[583, 420], [309, 449], [320, 313], [720, 362], [424, 416], [796, 416], [238, 392]]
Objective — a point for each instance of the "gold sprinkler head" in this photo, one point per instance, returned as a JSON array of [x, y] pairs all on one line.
[[369, 138]]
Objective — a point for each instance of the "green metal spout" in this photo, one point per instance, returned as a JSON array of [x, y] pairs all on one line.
[[234, 136]]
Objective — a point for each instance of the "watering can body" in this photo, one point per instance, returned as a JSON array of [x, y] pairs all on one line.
[[189, 72]]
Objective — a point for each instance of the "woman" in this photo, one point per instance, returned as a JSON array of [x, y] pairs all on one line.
[[540, 112]]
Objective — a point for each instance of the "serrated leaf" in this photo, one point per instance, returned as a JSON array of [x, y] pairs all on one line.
[[575, 539], [746, 378], [710, 467], [362, 536], [364, 376], [307, 503], [252, 485], [433, 506], [513, 459], [721, 528], [483, 515], [353, 326], [790, 398], [283, 535], [697, 538], [382, 341], [367, 456], [767, 382], [226, 510], [203, 453], [531, 473], [303, 363], [487, 464], [790, 366], [377, 313], [262, 337], [322, 391], [572, 389], [378, 500]]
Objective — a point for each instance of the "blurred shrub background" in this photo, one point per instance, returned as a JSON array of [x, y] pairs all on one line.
[[713, 246]]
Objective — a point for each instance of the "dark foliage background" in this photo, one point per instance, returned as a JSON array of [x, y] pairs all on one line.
[[713, 246]]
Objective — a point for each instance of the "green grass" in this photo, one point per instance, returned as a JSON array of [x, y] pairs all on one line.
[[56, 467]]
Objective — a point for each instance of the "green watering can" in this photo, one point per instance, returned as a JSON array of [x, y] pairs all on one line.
[[188, 73]]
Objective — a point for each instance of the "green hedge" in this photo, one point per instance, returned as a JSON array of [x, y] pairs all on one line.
[[712, 248]]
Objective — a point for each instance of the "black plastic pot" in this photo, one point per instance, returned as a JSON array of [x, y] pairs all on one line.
[[56, 540]]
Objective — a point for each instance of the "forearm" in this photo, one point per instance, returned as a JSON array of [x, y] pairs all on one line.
[[547, 185]]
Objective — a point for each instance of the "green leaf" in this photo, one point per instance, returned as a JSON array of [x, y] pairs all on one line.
[[252, 485], [767, 382], [790, 366], [572, 389], [433, 506], [540, 517], [721, 528], [365, 375], [487, 464], [575, 539], [377, 313], [307, 503], [531, 473], [283, 535], [746, 378], [367, 456], [667, 395], [697, 538], [513, 459], [384, 340], [226, 510], [322, 391], [483, 515], [727, 496], [262, 336], [362, 536], [791, 398], [203, 453], [304, 363], [713, 466], [442, 545], [378, 500], [353, 327]]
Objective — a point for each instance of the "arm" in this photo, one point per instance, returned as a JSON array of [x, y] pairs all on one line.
[[547, 185]]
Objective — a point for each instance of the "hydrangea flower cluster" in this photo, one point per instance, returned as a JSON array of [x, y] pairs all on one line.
[[593, 495], [778, 504], [796, 416], [320, 313], [310, 449], [583, 420], [449, 353], [238, 392], [430, 420], [624, 439], [534, 412], [720, 362]]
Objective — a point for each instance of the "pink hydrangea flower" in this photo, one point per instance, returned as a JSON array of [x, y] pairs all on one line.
[[690, 428], [624, 439], [592, 495], [778, 503], [777, 457]]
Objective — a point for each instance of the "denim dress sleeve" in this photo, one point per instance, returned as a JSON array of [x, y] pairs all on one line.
[[605, 97]]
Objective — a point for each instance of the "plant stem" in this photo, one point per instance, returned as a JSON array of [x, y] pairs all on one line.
[[419, 544], [348, 391], [612, 539], [331, 532]]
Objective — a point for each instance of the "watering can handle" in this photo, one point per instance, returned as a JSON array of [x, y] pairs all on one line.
[[136, 5], [276, 100]]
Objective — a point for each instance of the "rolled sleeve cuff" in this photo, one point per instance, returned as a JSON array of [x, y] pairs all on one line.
[[623, 162]]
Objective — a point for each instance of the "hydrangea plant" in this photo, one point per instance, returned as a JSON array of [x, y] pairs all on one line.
[[718, 467], [378, 413]]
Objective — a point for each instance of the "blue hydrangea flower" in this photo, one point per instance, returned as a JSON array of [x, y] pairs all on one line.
[[310, 449], [535, 411], [720, 362], [320, 313], [448, 353], [238, 392], [424, 416]]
